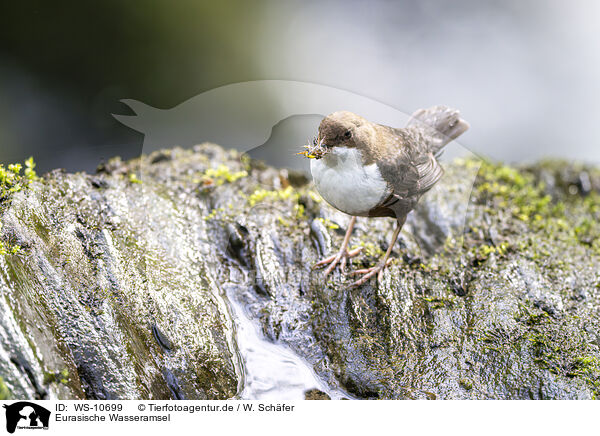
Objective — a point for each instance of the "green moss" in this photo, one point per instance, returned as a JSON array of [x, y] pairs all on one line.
[[328, 223], [6, 248], [588, 233], [369, 249], [439, 302], [283, 222], [213, 213], [586, 366], [56, 377], [314, 196], [133, 178], [509, 189], [219, 175], [11, 179], [4, 391], [299, 210], [560, 347], [531, 317], [484, 251], [516, 204], [260, 195], [466, 384]]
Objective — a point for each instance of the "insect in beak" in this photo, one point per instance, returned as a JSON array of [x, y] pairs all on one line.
[[316, 150]]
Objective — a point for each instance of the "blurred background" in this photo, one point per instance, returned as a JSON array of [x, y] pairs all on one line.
[[525, 74]]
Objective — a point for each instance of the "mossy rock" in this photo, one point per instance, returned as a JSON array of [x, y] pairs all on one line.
[[119, 284]]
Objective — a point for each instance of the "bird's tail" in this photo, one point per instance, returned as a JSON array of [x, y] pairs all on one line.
[[439, 125]]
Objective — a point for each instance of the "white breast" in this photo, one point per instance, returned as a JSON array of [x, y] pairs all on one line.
[[345, 183]]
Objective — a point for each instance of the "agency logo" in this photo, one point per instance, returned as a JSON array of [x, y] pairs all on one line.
[[271, 121], [26, 415]]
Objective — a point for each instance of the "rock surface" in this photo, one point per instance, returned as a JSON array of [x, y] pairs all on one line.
[[118, 287]]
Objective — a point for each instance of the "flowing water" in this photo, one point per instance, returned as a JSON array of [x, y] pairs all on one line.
[[272, 371]]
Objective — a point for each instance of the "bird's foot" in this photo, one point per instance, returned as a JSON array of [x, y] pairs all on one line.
[[370, 272], [341, 257]]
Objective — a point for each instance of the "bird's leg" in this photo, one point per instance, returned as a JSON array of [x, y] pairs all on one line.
[[343, 255], [385, 261]]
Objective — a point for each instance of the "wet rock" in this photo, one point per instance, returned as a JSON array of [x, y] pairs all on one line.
[[315, 394], [120, 282]]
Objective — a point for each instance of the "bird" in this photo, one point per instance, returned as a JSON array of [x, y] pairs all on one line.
[[365, 169]]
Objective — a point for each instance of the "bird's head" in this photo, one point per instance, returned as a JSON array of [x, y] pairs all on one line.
[[339, 129]]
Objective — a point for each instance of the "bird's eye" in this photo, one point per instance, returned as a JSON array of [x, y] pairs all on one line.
[[347, 134]]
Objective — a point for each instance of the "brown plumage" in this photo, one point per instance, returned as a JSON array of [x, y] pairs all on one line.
[[368, 169]]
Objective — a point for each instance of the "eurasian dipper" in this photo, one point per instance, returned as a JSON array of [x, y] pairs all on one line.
[[367, 169]]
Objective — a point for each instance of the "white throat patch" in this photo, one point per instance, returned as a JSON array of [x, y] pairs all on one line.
[[345, 183]]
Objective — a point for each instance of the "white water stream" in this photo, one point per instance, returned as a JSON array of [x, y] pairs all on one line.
[[272, 371]]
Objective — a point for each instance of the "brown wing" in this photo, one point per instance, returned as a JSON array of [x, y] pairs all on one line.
[[410, 169], [407, 182], [430, 172]]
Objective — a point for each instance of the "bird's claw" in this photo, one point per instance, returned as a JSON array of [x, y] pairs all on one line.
[[341, 257], [370, 272]]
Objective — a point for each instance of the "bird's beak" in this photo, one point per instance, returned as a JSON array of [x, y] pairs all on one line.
[[316, 150]]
